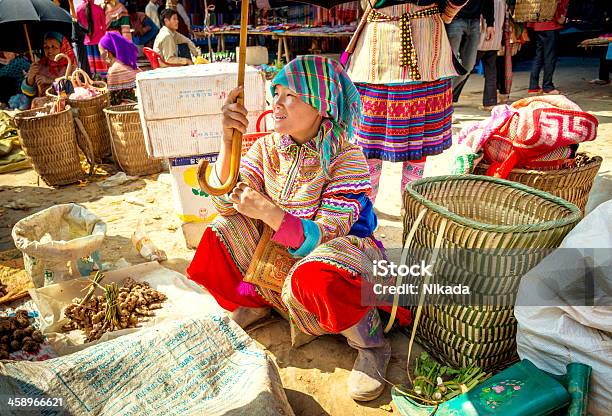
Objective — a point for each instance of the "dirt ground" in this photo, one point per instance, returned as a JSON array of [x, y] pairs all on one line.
[[314, 375]]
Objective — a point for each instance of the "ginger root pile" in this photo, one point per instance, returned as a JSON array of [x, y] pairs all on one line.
[[119, 308], [17, 333]]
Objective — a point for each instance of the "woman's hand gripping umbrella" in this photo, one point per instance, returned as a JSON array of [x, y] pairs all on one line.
[[204, 169]]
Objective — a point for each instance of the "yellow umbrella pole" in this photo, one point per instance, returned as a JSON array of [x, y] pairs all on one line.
[[27, 35], [72, 11], [204, 169]]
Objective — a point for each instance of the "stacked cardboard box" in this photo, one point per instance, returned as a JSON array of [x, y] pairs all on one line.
[[180, 111]]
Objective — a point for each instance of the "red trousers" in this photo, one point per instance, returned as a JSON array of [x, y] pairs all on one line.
[[331, 294]]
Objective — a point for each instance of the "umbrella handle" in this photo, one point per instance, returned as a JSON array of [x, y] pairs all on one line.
[[69, 67], [76, 78], [204, 169]]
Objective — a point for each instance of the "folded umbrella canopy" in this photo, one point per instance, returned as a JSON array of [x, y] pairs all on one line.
[[23, 23]]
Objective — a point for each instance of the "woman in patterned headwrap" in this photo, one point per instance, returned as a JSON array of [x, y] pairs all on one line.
[[42, 73], [311, 186], [122, 58]]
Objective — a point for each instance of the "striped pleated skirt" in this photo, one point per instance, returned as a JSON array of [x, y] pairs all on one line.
[[97, 65], [402, 122]]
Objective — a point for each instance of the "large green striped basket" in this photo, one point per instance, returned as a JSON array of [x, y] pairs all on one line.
[[490, 222]]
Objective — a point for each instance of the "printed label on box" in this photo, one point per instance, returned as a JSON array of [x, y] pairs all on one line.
[[188, 136], [191, 203]]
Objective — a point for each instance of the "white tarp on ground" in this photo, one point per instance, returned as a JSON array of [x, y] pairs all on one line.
[[190, 359], [562, 332], [206, 366]]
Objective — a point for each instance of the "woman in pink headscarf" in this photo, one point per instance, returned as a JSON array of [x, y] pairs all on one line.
[[122, 56]]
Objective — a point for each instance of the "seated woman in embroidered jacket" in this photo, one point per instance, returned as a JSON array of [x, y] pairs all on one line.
[[310, 185]]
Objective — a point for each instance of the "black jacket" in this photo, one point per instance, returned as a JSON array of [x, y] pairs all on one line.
[[474, 8]]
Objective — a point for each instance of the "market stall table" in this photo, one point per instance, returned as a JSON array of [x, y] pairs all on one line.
[[314, 35], [282, 37], [221, 34]]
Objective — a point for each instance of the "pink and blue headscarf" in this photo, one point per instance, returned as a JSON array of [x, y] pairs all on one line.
[[121, 48], [323, 84]]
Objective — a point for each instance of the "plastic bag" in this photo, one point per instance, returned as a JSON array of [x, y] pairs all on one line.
[[563, 331], [83, 93], [59, 243]]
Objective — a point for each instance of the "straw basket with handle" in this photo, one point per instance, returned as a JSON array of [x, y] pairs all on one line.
[[127, 141], [249, 138], [534, 10], [90, 115], [49, 142], [572, 183], [485, 233]]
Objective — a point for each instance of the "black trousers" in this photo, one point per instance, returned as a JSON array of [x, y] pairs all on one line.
[[604, 66], [489, 63], [545, 60], [501, 75]]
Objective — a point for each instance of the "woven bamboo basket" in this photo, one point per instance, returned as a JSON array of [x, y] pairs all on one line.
[[90, 112], [572, 184], [501, 331], [128, 143], [483, 217], [49, 142], [444, 354], [534, 10]]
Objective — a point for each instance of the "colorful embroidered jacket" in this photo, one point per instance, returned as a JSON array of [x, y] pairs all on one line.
[[291, 176]]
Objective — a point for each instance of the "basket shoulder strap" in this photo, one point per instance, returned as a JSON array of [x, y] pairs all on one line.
[[426, 280], [398, 281]]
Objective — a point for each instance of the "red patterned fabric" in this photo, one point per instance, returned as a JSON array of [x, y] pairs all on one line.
[[537, 126]]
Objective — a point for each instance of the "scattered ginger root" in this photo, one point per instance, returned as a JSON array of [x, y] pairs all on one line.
[[17, 333], [119, 308]]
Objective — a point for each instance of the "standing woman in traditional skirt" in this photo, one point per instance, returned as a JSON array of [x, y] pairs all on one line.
[[402, 65], [117, 18], [92, 18]]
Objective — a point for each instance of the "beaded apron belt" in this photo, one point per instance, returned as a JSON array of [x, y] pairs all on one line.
[[408, 55]]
